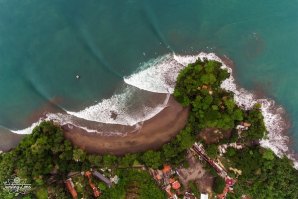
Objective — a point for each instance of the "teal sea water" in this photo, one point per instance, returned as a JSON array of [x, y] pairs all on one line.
[[45, 44]]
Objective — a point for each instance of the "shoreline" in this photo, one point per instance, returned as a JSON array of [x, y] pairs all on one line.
[[275, 116], [152, 134], [278, 140], [9, 140], [114, 138]]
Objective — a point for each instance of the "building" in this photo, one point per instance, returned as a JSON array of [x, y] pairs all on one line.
[[95, 190], [102, 178], [166, 169], [176, 185], [70, 187], [115, 179], [204, 196], [230, 181]]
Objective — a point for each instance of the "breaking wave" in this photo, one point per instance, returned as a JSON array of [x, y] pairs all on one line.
[[158, 76], [273, 114]]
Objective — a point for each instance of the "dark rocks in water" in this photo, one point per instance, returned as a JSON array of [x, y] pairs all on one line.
[[114, 115]]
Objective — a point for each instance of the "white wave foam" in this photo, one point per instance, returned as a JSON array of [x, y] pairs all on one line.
[[273, 115], [59, 118], [117, 104], [27, 130], [159, 76]]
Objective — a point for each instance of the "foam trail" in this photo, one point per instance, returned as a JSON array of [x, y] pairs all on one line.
[[150, 18], [93, 49]]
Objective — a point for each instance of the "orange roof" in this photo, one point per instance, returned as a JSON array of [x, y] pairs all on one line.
[[96, 193], [71, 189], [172, 180], [88, 173], [166, 168], [176, 185]]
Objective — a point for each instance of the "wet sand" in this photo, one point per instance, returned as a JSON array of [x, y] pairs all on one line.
[[9, 140], [152, 134]]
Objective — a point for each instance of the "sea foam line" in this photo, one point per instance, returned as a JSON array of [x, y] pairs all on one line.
[[159, 76], [274, 122], [101, 112]]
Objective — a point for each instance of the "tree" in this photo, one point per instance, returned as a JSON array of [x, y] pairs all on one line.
[[218, 185], [95, 160], [128, 160], [79, 155], [152, 159], [212, 150], [185, 138]]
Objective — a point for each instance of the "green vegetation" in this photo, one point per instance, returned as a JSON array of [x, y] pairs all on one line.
[[263, 174], [219, 185], [45, 158], [194, 189], [135, 183]]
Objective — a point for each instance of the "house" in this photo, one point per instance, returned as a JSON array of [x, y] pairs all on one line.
[[204, 196], [102, 178], [96, 192], [70, 187], [176, 185], [230, 181], [166, 169], [115, 179]]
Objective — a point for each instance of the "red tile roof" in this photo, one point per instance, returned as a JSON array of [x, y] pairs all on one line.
[[172, 180], [70, 187], [230, 181], [176, 185], [166, 168]]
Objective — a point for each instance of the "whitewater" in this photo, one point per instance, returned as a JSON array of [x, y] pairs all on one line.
[[159, 75]]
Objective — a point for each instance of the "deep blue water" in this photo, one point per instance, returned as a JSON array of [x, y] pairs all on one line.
[[45, 44]]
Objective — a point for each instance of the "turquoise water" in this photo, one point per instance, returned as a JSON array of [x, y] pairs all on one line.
[[45, 44]]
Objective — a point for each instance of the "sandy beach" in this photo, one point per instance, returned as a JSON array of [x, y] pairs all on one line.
[[9, 140], [152, 134]]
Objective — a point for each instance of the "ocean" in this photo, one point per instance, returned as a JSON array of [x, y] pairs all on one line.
[[123, 50]]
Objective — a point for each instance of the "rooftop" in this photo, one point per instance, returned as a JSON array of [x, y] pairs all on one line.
[[176, 185]]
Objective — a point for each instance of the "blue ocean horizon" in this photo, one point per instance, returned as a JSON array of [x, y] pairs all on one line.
[[45, 44]]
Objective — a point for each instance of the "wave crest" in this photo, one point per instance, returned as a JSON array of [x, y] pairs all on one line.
[[159, 76]]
